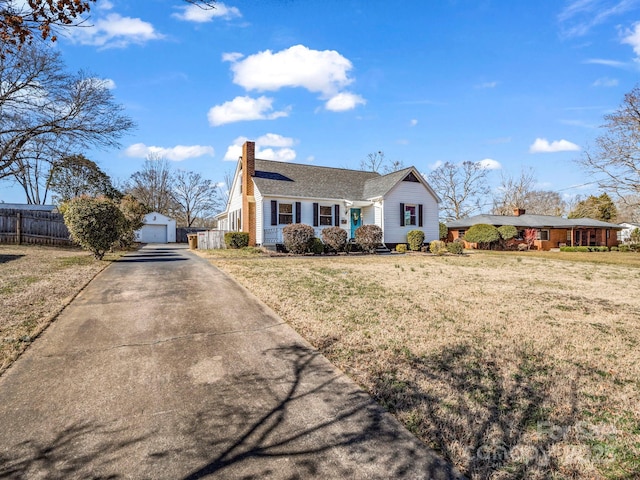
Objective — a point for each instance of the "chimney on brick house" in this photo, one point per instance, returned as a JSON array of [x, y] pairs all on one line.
[[248, 198], [518, 211]]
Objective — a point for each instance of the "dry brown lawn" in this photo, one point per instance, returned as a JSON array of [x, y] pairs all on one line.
[[511, 366], [35, 284]]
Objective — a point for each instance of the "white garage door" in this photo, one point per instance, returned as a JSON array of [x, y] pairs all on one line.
[[153, 234]]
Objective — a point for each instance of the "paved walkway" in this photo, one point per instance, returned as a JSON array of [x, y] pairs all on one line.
[[163, 367]]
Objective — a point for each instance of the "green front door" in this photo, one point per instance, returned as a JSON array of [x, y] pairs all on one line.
[[356, 220]]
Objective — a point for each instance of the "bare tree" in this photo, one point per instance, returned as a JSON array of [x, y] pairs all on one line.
[[462, 188], [373, 162], [153, 185], [615, 160], [196, 197], [545, 202], [46, 112], [513, 192], [628, 208]]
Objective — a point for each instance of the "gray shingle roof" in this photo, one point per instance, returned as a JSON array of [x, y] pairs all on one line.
[[311, 181], [531, 221]]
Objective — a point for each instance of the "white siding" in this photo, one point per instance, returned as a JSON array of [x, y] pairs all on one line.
[[369, 216], [157, 228], [263, 212], [409, 193], [259, 216]]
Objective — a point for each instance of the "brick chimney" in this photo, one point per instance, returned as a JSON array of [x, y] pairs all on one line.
[[518, 211], [248, 198]]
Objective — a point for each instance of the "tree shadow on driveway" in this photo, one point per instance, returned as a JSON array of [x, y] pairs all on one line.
[[314, 423], [87, 447]]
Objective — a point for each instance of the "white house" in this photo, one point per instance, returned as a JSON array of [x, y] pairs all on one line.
[[157, 228], [624, 235], [268, 195]]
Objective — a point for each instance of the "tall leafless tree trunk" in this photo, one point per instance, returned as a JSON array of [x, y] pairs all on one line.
[[615, 160], [461, 187]]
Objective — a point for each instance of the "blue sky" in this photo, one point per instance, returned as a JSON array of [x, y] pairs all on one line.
[[515, 84]]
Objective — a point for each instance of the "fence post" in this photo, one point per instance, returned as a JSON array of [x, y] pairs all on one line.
[[18, 228]]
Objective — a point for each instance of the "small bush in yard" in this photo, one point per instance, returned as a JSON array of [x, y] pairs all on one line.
[[298, 237], [455, 247], [317, 247], [438, 247], [582, 249], [236, 239], [401, 248], [335, 238], [568, 249], [369, 237], [94, 223], [614, 249], [415, 238]]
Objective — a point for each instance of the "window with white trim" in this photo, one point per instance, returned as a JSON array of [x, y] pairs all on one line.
[[543, 235], [410, 215], [285, 213], [326, 215]]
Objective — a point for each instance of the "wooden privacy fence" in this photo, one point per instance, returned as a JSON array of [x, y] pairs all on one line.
[[182, 232], [32, 226], [211, 239]]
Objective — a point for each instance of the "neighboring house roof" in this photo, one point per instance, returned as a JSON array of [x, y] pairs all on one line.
[[624, 224], [26, 207], [532, 221], [310, 181]]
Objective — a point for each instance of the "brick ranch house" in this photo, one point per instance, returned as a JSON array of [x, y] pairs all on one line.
[[553, 232], [267, 195]]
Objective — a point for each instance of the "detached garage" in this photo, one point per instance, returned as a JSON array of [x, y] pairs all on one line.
[[157, 228]]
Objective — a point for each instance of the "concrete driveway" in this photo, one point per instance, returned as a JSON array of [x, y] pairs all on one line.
[[163, 367]]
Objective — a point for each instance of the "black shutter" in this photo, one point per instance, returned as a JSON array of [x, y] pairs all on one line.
[[420, 215], [274, 212], [402, 214], [298, 212], [336, 215], [315, 215]]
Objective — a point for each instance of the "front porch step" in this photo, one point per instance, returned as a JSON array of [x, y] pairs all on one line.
[[382, 250]]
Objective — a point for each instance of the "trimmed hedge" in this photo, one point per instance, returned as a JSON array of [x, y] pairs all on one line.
[[438, 247], [236, 240], [317, 247], [415, 238], [298, 237], [483, 234], [95, 224], [369, 237], [455, 247], [335, 238]]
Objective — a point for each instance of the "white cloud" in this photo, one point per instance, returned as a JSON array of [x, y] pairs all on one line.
[[176, 154], [108, 83], [116, 31], [194, 13], [344, 101], [231, 56], [632, 37], [542, 145], [298, 66], [487, 85], [435, 166], [104, 5], [605, 82], [580, 16], [244, 108], [608, 63], [281, 148], [489, 164], [413, 122]]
